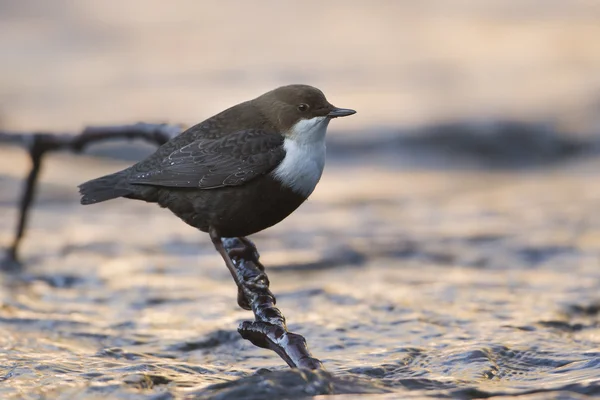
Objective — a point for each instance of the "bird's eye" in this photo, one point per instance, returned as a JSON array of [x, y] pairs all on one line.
[[303, 107]]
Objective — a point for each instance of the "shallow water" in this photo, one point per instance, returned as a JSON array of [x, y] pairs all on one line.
[[418, 283], [423, 266]]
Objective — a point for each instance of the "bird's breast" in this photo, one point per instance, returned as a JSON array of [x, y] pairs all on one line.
[[302, 166]]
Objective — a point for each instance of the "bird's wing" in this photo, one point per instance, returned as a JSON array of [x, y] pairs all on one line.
[[209, 163]]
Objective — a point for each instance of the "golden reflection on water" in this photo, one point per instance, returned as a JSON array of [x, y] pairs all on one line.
[[436, 279], [463, 277]]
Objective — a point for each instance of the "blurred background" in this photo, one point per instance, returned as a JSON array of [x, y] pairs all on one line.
[[401, 63], [461, 199]]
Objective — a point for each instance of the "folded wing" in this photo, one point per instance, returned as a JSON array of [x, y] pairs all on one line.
[[207, 163]]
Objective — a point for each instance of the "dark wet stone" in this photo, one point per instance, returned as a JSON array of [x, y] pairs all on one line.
[[289, 384]]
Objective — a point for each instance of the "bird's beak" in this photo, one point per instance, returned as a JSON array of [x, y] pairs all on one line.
[[340, 112]]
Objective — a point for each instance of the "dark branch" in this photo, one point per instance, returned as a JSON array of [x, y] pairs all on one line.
[[38, 144], [154, 133], [269, 329]]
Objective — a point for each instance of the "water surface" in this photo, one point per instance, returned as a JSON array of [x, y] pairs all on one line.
[[417, 283]]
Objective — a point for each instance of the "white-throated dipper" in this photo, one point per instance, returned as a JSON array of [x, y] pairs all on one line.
[[237, 173]]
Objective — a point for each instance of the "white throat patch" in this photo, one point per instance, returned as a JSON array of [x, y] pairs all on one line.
[[304, 159]]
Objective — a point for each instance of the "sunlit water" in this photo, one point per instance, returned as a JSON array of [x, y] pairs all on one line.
[[411, 273], [404, 282]]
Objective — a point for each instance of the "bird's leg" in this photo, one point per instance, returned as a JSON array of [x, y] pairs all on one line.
[[218, 243]]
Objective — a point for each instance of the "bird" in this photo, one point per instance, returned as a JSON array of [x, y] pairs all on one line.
[[238, 172]]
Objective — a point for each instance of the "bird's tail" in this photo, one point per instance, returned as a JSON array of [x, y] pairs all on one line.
[[104, 188]]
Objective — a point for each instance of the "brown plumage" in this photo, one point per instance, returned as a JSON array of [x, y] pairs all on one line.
[[197, 175], [238, 172]]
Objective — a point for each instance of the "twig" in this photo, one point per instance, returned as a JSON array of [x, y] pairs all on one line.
[[269, 329], [38, 144]]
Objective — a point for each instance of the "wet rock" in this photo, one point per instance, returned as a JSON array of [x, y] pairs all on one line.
[[289, 384]]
